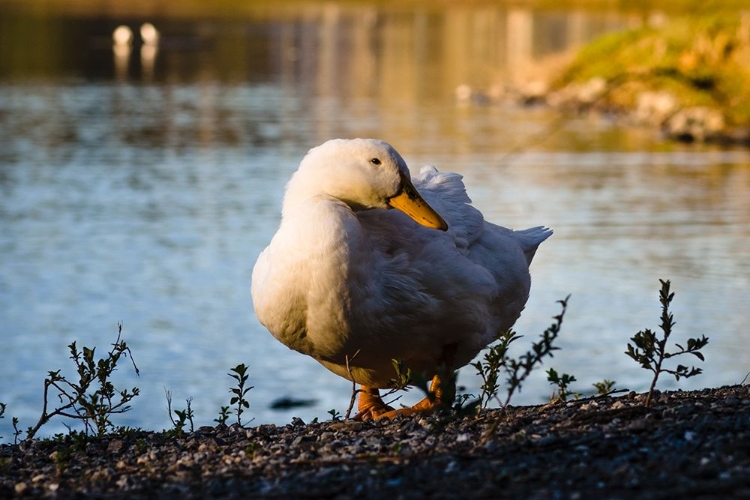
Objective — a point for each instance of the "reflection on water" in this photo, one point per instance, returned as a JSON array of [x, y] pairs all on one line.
[[140, 187]]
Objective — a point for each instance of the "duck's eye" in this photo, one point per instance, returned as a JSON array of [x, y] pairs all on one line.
[[375, 161]]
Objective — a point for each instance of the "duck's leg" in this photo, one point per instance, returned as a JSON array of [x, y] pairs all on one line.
[[370, 406], [441, 394]]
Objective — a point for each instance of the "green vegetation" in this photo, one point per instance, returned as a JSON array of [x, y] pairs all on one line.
[[694, 60], [606, 387], [647, 350], [561, 382], [239, 398], [95, 408], [516, 371], [183, 416], [489, 367], [403, 378], [651, 352], [223, 416]]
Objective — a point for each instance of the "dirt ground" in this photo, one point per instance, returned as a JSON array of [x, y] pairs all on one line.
[[686, 445]]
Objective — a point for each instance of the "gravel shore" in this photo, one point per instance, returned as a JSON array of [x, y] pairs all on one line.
[[687, 444]]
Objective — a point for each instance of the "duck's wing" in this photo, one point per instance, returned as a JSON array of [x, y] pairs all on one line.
[[504, 254], [446, 193]]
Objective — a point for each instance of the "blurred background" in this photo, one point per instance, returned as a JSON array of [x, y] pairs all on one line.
[[145, 145]]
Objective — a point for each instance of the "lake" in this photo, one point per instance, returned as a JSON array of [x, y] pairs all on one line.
[[139, 185]]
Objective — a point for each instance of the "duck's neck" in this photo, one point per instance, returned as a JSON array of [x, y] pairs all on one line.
[[327, 233], [318, 242]]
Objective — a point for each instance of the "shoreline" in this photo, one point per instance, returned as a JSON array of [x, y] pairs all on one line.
[[693, 443]]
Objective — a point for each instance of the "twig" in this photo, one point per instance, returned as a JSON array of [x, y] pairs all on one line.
[[355, 391]]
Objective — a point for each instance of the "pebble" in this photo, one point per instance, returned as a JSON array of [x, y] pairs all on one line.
[[115, 446], [655, 107], [348, 425], [698, 123], [617, 405], [589, 406]]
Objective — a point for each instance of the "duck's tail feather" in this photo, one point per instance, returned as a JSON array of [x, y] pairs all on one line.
[[531, 238]]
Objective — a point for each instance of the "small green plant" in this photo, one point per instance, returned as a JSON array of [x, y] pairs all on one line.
[[141, 445], [562, 381], [16, 431], [14, 420], [489, 369], [77, 400], [497, 360], [183, 416], [403, 377], [76, 440], [606, 387], [651, 352], [335, 415], [186, 414], [223, 416], [465, 404], [3, 406], [239, 398]]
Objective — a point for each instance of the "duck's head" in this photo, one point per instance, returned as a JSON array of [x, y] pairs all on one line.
[[363, 173]]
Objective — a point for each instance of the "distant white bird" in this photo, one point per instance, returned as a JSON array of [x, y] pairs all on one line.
[[356, 285], [122, 36], [149, 34]]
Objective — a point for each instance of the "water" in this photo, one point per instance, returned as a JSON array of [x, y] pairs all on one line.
[[139, 188]]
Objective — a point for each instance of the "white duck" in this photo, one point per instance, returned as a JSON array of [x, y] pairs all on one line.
[[356, 285]]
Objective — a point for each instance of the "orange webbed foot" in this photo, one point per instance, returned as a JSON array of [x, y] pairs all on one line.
[[372, 407]]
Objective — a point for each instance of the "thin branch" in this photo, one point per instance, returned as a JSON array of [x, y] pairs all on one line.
[[355, 391]]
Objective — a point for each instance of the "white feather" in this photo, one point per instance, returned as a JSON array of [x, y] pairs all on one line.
[[346, 278]]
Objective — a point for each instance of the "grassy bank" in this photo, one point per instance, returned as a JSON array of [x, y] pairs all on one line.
[[689, 71]]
